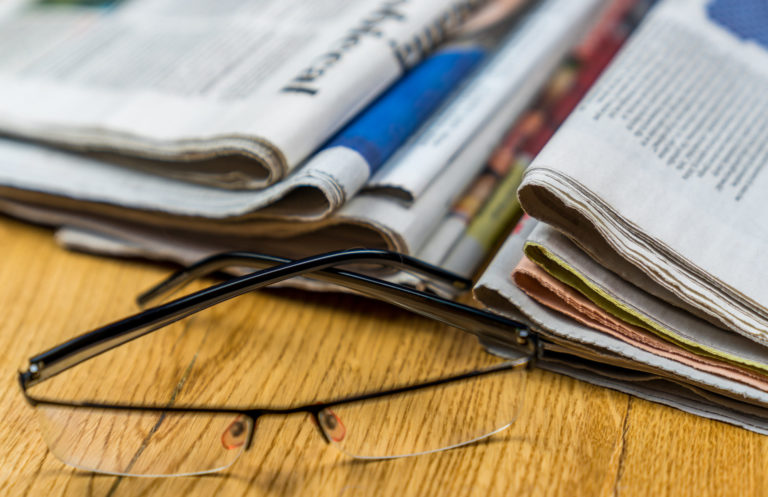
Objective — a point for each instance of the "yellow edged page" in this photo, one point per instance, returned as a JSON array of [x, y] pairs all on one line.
[[568, 275], [550, 292]]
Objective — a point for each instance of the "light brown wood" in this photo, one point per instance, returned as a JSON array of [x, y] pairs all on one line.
[[278, 347]]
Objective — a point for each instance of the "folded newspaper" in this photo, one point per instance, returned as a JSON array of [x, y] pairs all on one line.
[[235, 94], [333, 175], [659, 174], [653, 195], [110, 208], [589, 353]]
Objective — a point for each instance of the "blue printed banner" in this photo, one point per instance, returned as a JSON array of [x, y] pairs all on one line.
[[385, 125]]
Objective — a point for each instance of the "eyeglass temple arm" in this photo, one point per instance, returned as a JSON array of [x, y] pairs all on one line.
[[363, 284], [253, 260], [91, 344]]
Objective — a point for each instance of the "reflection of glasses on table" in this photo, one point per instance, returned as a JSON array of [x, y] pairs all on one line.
[[165, 440]]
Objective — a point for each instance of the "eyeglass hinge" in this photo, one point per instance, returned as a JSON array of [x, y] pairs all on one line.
[[530, 341], [34, 370]]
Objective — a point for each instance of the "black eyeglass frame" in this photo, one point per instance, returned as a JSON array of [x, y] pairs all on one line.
[[254, 413], [88, 345], [483, 324]]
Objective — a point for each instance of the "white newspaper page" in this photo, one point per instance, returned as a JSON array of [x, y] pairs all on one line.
[[266, 81], [101, 193], [306, 194], [663, 165], [310, 192], [508, 84], [372, 221]]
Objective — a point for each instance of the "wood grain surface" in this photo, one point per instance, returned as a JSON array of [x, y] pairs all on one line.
[[281, 347]]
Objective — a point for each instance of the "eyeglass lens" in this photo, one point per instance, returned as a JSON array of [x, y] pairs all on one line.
[[229, 355], [143, 443]]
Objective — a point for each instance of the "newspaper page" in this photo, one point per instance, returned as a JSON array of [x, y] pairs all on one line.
[[368, 220], [644, 373], [232, 93], [488, 207], [310, 193], [660, 170], [182, 229], [325, 181], [558, 296], [558, 256], [509, 82]]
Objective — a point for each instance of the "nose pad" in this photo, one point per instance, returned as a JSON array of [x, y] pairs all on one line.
[[236, 434], [332, 425]]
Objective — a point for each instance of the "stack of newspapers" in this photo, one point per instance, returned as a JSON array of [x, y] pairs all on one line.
[[650, 249], [174, 129]]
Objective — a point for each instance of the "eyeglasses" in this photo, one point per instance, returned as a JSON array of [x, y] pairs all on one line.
[[166, 440]]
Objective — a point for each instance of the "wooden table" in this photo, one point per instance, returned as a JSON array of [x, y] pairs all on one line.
[[570, 438]]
